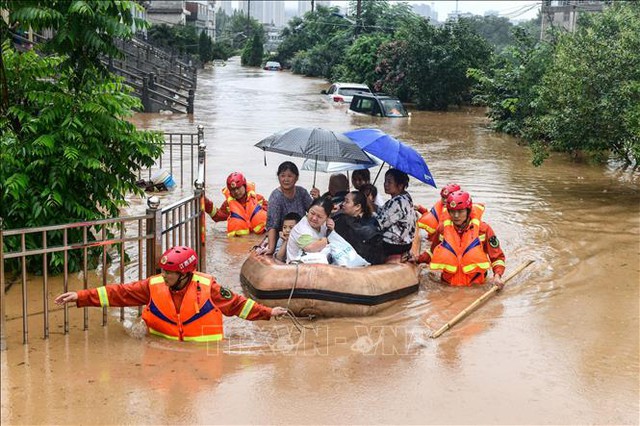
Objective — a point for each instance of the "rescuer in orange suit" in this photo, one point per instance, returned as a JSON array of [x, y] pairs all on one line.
[[464, 247], [430, 219], [180, 303], [244, 210]]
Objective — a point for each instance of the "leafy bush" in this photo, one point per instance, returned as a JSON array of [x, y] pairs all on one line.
[[68, 152]]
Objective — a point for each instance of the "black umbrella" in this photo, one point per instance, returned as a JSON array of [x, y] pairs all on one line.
[[315, 143]]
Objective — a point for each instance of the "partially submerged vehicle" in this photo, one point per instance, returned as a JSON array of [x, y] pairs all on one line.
[[327, 290], [342, 93], [378, 105], [272, 66]]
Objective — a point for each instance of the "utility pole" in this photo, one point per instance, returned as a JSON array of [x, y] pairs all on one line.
[[358, 14], [313, 4]]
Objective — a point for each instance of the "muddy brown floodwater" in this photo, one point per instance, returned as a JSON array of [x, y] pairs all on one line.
[[558, 346]]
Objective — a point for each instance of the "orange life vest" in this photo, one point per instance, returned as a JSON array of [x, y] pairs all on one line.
[[199, 320], [461, 258], [245, 218], [430, 220]]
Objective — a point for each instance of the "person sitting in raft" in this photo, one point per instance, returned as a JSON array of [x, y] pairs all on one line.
[[180, 303], [397, 217], [371, 194], [288, 197], [464, 247], [360, 179], [290, 220], [338, 188], [244, 210], [310, 234], [356, 225]]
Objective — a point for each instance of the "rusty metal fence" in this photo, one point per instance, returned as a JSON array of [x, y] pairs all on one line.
[[128, 248]]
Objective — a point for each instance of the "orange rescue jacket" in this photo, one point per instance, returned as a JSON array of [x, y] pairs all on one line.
[[250, 217], [430, 219], [198, 320], [462, 258]]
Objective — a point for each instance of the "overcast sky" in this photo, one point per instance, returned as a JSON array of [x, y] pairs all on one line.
[[525, 9], [519, 10]]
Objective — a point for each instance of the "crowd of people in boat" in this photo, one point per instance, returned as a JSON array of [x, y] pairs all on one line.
[[297, 222]]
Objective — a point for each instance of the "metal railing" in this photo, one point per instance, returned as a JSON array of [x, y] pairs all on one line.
[[179, 149], [143, 237]]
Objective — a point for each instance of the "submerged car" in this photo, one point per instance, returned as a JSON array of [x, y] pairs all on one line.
[[273, 66], [343, 92], [378, 105]]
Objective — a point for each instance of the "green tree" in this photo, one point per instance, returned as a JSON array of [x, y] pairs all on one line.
[[205, 47], [432, 63], [181, 39], [303, 34], [360, 60], [222, 50], [391, 69], [510, 87], [68, 152], [321, 60], [495, 30], [240, 28], [252, 52], [589, 98]]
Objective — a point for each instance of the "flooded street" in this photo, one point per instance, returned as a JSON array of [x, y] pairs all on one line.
[[558, 346]]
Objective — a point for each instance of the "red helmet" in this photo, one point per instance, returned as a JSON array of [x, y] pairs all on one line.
[[448, 189], [236, 180], [459, 200], [179, 259]]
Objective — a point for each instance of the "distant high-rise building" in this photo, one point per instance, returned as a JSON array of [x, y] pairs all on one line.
[[426, 11], [279, 18], [226, 6], [269, 12], [304, 6]]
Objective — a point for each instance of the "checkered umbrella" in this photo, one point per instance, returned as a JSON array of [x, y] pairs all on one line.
[[316, 144]]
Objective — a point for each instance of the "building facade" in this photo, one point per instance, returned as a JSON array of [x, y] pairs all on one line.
[[202, 16], [170, 12], [564, 13]]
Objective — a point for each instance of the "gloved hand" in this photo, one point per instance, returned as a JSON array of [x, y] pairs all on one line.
[[208, 205], [424, 257], [420, 208]]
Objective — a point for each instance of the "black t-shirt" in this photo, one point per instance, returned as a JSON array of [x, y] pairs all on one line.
[[363, 234]]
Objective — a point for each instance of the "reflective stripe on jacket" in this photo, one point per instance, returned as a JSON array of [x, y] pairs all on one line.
[[430, 220], [461, 257], [199, 320], [250, 217]]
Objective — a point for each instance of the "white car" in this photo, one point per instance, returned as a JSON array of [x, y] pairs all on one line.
[[342, 93]]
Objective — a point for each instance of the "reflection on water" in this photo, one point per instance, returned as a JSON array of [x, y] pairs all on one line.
[[559, 345]]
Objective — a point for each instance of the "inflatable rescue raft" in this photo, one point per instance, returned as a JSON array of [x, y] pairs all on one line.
[[327, 290]]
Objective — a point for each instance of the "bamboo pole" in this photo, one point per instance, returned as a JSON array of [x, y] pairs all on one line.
[[480, 300]]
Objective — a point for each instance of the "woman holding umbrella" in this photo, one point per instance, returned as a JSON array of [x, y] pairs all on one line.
[[396, 217]]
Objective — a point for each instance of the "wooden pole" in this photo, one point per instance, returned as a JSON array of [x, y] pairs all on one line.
[[480, 300]]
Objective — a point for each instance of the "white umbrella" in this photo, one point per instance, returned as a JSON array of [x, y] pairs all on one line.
[[334, 166]]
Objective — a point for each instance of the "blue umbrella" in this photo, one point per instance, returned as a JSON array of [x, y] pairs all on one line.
[[392, 151]]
